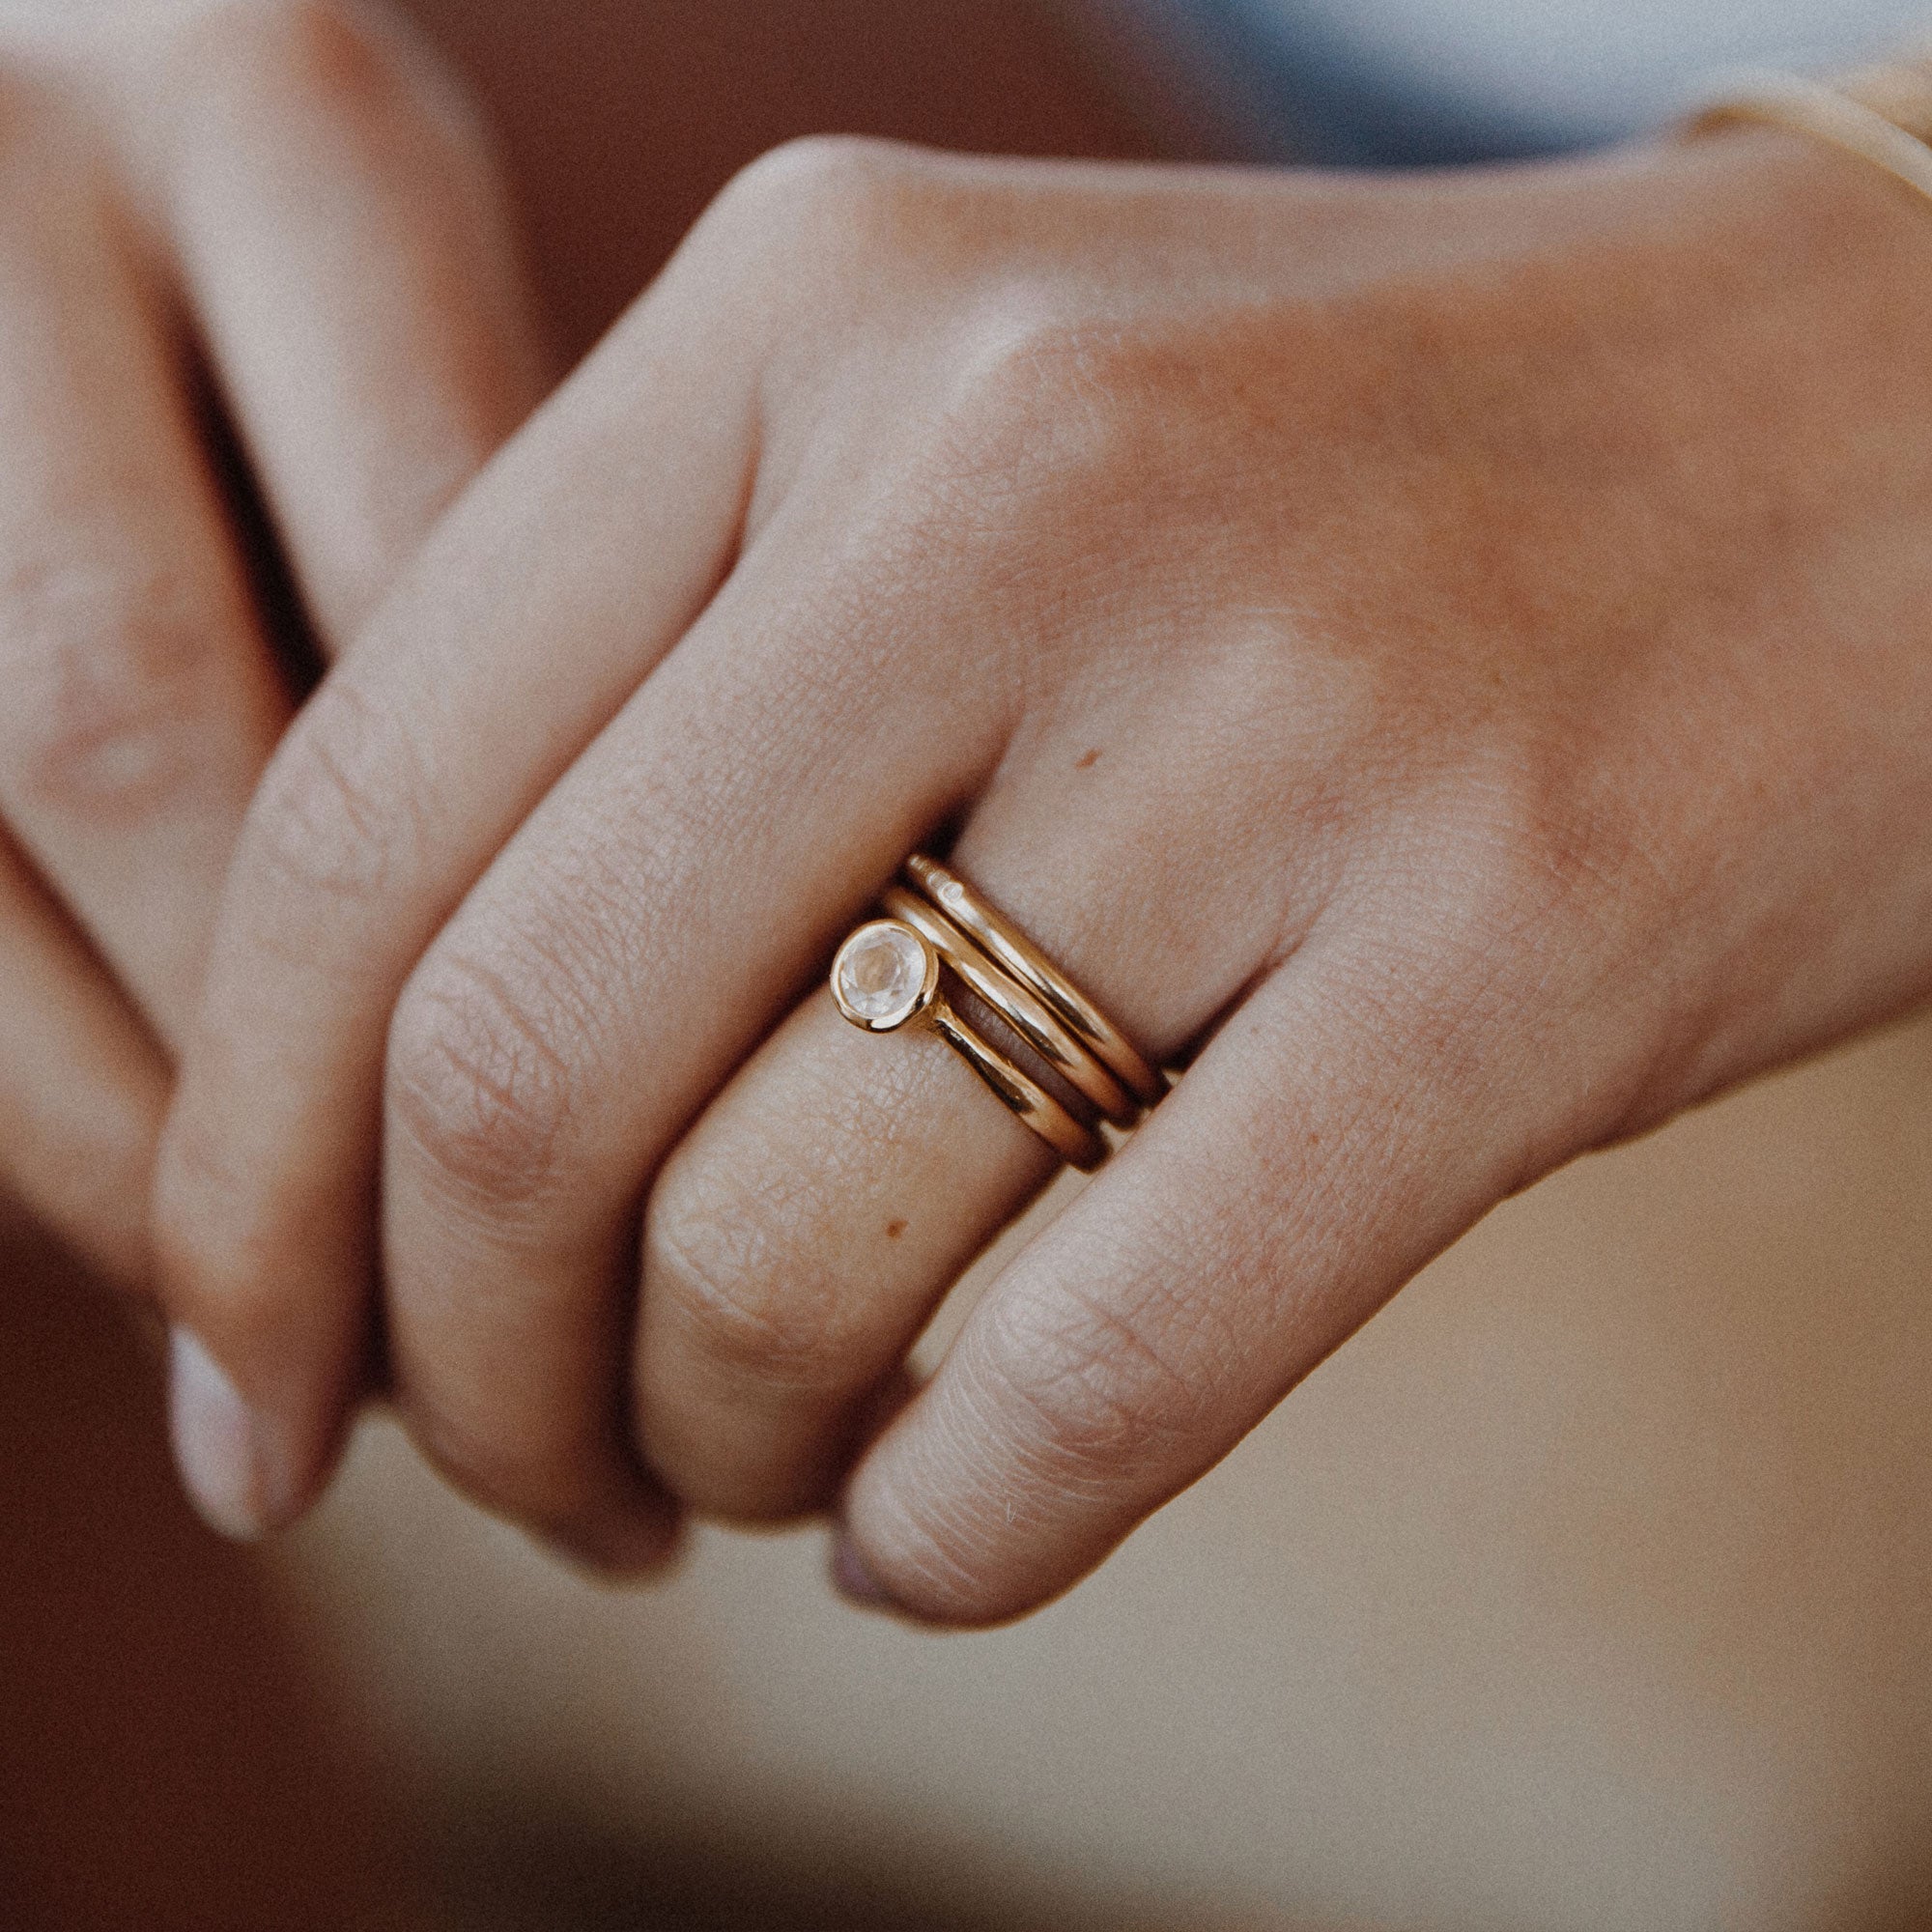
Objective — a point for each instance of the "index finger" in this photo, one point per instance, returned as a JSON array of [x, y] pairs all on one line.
[[410, 766]]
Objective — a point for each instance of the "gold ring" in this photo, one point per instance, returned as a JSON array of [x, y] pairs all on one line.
[[1016, 954], [886, 976], [1027, 1016]]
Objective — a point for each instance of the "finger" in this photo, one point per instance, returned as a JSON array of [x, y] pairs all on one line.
[[809, 1223], [653, 918], [338, 221], [142, 703], [1341, 1129], [400, 781], [81, 1085], [794, 1247]]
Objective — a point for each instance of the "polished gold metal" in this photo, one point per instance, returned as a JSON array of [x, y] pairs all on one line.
[[1881, 115], [1029, 1016], [1017, 956], [1075, 1143]]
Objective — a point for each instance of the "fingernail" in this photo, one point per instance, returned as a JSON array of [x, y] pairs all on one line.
[[853, 1580], [230, 1457]]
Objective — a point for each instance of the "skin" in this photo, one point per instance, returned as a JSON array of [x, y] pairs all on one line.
[[255, 270], [1448, 658], [288, 206]]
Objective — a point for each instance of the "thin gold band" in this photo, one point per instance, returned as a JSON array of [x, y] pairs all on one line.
[[1078, 1146], [1846, 118], [1011, 949], [1027, 1015]]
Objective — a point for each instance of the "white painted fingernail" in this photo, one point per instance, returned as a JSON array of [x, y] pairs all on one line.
[[227, 1453]]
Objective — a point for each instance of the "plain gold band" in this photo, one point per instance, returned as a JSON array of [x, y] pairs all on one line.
[[1014, 954], [1027, 1015], [1841, 120], [1078, 1146]]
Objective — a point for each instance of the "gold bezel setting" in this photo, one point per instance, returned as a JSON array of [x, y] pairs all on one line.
[[955, 932], [905, 1011]]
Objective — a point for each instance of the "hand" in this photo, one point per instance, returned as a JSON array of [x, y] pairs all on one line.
[[1450, 655], [282, 211]]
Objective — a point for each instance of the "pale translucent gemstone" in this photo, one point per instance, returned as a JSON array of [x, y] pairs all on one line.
[[881, 973]]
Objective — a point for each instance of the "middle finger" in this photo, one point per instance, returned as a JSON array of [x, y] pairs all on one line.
[[645, 928], [805, 1231]]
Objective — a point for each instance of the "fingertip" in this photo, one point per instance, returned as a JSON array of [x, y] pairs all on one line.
[[929, 1529], [235, 1460], [856, 1583], [853, 1578], [908, 1591], [643, 1546], [266, 1365]]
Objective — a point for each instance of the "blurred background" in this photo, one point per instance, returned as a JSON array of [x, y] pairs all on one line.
[[1590, 1588]]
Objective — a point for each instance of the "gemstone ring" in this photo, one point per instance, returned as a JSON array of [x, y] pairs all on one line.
[[888, 975]]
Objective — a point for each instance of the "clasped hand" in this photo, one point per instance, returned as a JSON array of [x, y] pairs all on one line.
[[1442, 658]]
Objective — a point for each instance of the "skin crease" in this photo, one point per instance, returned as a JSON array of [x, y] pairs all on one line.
[[1458, 646], [286, 204]]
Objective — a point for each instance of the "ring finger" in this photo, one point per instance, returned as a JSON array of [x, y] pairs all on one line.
[[804, 1232]]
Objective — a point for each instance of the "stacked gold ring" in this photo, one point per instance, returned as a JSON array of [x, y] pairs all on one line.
[[888, 975], [1024, 961]]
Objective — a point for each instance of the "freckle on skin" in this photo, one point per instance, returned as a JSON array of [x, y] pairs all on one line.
[[1086, 761], [894, 1230]]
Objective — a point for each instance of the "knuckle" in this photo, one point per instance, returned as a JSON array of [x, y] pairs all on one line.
[[835, 177], [335, 819], [478, 1083], [741, 1296], [823, 213], [1567, 932], [1552, 873], [1045, 401], [108, 672], [778, 1340], [1039, 450]]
